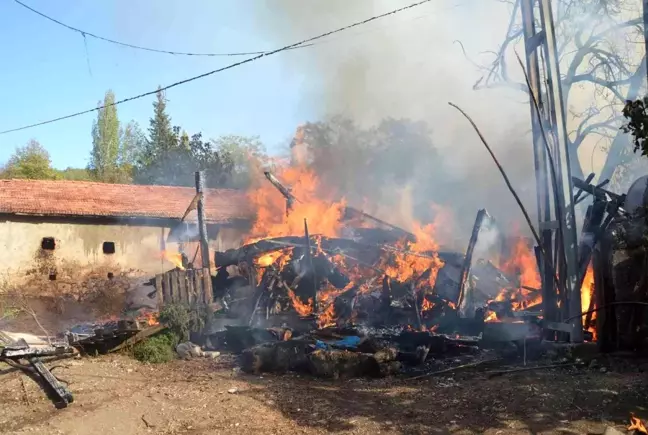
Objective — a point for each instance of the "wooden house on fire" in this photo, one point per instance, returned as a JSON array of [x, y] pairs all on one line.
[[47, 225]]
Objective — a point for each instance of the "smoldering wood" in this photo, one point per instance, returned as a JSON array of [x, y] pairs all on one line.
[[350, 213], [344, 364], [238, 338], [309, 262], [464, 300], [277, 357], [247, 253], [58, 392]]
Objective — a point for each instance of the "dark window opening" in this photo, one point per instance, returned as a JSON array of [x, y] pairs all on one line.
[[52, 275], [110, 275], [48, 243], [108, 247]]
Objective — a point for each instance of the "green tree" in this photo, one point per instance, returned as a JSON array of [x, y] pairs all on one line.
[[132, 145], [170, 156], [243, 156], [162, 136], [104, 156], [74, 174], [31, 161]]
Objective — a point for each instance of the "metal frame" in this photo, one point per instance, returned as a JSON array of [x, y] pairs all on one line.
[[555, 202]]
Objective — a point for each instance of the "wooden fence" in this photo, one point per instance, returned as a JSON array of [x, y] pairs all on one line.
[[190, 287]]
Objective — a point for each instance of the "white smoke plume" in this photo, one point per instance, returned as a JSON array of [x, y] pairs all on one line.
[[409, 66]]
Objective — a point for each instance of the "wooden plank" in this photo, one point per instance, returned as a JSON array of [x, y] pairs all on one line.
[[167, 289], [198, 283], [207, 287], [191, 292], [158, 290], [182, 287], [175, 292]]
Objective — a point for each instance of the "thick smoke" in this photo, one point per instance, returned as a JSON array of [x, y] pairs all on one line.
[[409, 66]]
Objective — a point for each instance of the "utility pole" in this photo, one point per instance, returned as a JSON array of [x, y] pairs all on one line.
[[202, 224], [645, 22], [554, 194]]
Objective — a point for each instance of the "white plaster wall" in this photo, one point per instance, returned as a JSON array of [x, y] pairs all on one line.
[[80, 245]]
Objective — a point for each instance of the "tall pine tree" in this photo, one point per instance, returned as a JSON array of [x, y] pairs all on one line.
[[161, 135], [104, 157]]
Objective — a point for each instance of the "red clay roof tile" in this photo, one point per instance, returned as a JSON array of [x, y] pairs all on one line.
[[82, 198]]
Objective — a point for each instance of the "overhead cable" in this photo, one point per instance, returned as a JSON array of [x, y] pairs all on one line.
[[85, 34], [233, 65]]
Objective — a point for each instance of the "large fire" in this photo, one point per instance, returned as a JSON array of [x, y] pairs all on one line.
[[407, 261], [322, 213]]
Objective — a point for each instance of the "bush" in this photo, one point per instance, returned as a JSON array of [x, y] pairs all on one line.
[[181, 319], [157, 349]]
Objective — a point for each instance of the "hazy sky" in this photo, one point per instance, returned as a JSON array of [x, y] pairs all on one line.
[[46, 71], [408, 65]]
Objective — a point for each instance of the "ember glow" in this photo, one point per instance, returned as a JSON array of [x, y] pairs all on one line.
[[149, 319], [587, 295]]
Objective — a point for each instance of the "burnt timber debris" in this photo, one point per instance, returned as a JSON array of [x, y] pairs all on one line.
[[89, 339], [29, 360]]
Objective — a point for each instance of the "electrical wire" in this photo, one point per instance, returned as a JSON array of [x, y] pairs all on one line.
[[139, 47], [225, 68]]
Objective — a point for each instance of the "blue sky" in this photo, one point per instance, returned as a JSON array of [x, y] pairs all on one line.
[[46, 71]]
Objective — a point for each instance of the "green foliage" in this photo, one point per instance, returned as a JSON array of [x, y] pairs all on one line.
[[637, 123], [31, 161], [74, 174], [170, 156], [105, 142], [162, 137], [244, 154], [181, 319], [157, 349]]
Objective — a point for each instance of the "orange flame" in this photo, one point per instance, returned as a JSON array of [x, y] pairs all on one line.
[[322, 213], [174, 258], [587, 293], [303, 309], [406, 265], [637, 425], [522, 263], [150, 318]]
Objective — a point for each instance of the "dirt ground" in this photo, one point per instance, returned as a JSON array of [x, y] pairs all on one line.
[[118, 395]]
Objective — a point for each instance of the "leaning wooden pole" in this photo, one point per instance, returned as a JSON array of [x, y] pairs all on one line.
[[309, 259], [202, 223]]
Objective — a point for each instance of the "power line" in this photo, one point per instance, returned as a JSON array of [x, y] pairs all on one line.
[[139, 47], [233, 65]]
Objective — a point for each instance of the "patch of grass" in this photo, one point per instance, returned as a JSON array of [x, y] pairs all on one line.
[[158, 349]]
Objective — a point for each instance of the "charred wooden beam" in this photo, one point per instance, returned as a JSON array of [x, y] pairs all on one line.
[[350, 213], [59, 394], [464, 301], [309, 260], [285, 191]]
